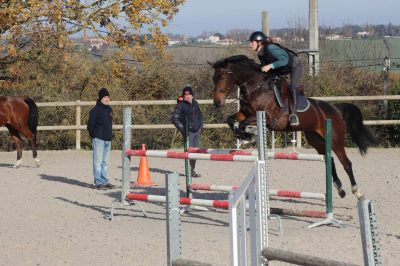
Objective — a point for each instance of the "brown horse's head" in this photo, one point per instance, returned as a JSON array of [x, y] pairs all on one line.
[[228, 73], [224, 85]]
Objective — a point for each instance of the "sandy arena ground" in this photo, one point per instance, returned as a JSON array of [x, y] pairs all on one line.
[[51, 215]]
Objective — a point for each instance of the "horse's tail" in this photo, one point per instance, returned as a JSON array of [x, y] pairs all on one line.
[[33, 115], [359, 134]]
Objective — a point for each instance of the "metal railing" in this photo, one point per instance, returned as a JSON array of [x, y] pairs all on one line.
[[78, 113]]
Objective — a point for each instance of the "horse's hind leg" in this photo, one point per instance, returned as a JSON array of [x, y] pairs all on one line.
[[17, 141], [318, 143], [32, 140], [347, 165], [336, 181], [34, 150], [338, 144]]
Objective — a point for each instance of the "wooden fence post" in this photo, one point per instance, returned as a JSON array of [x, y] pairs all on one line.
[[78, 123]]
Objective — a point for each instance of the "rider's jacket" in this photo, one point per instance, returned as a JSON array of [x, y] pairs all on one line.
[[280, 58]]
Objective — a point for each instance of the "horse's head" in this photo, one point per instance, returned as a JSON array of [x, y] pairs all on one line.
[[229, 72], [224, 82]]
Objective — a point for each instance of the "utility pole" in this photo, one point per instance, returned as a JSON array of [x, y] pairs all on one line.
[[265, 23], [386, 68], [313, 55]]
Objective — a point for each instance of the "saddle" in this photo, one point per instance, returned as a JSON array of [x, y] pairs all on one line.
[[282, 95]]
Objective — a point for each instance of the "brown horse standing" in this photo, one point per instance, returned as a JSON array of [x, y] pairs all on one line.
[[257, 94], [20, 115]]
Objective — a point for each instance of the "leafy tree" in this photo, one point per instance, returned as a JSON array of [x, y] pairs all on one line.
[[48, 24]]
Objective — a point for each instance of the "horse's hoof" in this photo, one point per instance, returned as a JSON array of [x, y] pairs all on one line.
[[17, 164], [357, 192], [342, 194], [252, 130], [362, 197], [37, 163]]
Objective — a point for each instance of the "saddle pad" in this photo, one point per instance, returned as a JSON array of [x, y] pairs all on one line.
[[302, 103]]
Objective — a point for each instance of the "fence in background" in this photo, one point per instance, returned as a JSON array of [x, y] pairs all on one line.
[[79, 126]]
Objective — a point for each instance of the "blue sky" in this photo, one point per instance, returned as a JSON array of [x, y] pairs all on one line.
[[196, 16]]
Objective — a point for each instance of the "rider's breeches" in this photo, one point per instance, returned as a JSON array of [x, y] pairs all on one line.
[[296, 74]]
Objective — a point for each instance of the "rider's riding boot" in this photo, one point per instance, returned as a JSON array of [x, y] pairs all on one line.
[[293, 119]]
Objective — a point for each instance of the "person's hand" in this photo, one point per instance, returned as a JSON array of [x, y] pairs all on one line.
[[266, 68]]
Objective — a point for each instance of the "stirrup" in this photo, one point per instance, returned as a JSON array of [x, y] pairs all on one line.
[[293, 120]]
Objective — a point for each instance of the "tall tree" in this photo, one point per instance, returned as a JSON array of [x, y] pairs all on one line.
[[124, 22]]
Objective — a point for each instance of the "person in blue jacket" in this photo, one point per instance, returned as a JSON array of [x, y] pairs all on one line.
[[100, 130], [280, 60], [188, 108]]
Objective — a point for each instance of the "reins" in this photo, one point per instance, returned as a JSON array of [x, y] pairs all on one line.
[[245, 84], [253, 89]]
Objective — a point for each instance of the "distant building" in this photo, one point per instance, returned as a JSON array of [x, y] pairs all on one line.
[[96, 42], [277, 39], [213, 39], [210, 39], [298, 39], [362, 34], [186, 39], [93, 42], [333, 37], [173, 42], [226, 41]]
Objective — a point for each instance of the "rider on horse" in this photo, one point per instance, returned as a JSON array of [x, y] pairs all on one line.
[[281, 61]]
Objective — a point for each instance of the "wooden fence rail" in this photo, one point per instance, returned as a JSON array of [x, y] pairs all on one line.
[[79, 127]]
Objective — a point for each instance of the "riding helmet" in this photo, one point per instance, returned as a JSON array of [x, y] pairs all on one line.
[[258, 36]]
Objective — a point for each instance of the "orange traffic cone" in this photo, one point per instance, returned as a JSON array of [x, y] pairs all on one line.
[[144, 179]]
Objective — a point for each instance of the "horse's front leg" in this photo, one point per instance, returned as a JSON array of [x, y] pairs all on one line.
[[234, 120], [238, 122], [18, 146], [17, 141], [249, 125]]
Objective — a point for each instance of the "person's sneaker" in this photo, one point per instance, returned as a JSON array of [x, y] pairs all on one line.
[[101, 187], [194, 174], [110, 186]]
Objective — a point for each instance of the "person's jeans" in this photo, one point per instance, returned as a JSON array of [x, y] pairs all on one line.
[[101, 153], [194, 141]]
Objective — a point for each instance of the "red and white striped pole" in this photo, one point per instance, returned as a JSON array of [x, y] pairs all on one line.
[[272, 192], [194, 156], [241, 156], [223, 204], [219, 204], [271, 155]]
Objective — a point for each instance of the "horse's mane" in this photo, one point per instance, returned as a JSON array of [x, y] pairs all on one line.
[[223, 63]]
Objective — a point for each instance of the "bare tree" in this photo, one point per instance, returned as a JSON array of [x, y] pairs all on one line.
[[297, 32], [240, 35]]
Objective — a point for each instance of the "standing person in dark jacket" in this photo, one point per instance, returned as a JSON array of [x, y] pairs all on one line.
[[279, 60], [188, 108], [100, 130]]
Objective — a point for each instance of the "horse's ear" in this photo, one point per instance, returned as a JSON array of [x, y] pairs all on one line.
[[211, 64]]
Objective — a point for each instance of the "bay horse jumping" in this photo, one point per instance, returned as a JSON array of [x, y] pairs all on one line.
[[257, 93], [20, 115]]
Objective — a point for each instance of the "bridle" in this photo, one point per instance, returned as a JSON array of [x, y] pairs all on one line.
[[249, 91], [247, 88]]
